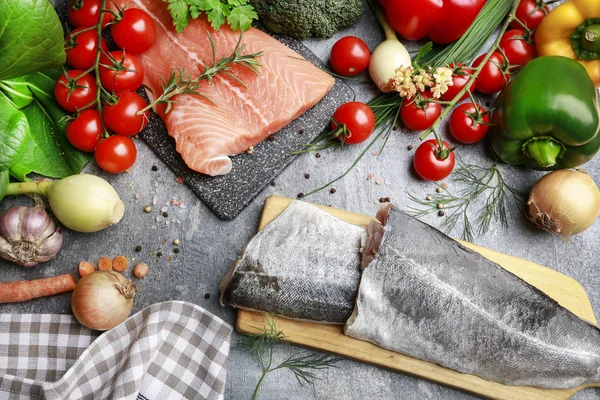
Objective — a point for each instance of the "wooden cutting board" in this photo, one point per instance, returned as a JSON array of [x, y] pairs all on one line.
[[330, 338]]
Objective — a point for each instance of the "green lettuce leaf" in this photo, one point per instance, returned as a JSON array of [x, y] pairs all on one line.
[[4, 180], [17, 91], [47, 150], [31, 37], [13, 129]]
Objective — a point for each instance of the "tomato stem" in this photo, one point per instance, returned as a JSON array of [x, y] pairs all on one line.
[[471, 81], [96, 66]]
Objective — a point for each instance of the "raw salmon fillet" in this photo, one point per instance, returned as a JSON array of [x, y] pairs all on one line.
[[206, 134]]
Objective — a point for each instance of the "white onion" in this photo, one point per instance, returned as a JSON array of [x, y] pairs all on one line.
[[103, 299], [564, 202]]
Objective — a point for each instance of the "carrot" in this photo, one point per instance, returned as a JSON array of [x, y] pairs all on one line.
[[120, 263], [18, 291], [140, 270], [86, 268], [105, 264]]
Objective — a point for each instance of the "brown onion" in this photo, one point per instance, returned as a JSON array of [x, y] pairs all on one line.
[[564, 202], [103, 299], [28, 236]]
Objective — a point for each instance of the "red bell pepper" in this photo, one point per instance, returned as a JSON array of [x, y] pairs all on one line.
[[444, 21]]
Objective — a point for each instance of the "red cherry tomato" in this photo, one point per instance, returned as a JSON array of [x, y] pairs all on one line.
[[122, 117], [491, 79], [531, 13], [460, 77], [359, 120], [83, 95], [115, 154], [432, 163], [516, 48], [469, 124], [127, 75], [85, 131], [350, 56], [417, 115], [82, 54], [85, 13], [135, 32]]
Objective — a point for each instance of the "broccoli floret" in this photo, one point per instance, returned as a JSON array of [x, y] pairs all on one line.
[[308, 18]]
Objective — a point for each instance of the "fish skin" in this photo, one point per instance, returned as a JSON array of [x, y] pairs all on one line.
[[431, 298], [290, 267]]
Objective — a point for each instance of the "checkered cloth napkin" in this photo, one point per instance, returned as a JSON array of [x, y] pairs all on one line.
[[172, 350]]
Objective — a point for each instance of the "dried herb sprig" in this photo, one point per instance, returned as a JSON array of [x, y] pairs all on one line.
[[303, 365], [484, 186]]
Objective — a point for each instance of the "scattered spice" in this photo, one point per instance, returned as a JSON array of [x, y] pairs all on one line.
[[176, 242], [380, 181], [140, 270], [169, 259], [179, 180], [165, 214], [148, 209], [440, 206], [155, 167], [441, 213], [120, 263], [439, 190], [444, 185], [395, 128], [318, 155], [370, 176], [332, 191], [159, 254], [273, 183], [207, 296], [300, 195], [307, 176], [385, 200], [86, 268], [428, 198], [250, 150], [138, 248], [410, 147], [271, 137], [301, 131], [176, 250], [105, 264]]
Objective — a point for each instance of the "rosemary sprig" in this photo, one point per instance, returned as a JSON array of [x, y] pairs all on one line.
[[303, 365], [181, 83], [480, 185]]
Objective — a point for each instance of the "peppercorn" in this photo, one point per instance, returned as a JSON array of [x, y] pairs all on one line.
[[301, 131], [273, 183], [148, 209], [300, 195], [138, 248], [207, 296], [318, 155], [332, 190], [176, 242], [410, 147], [176, 250], [441, 213], [165, 214], [155, 167], [307, 176], [159, 254]]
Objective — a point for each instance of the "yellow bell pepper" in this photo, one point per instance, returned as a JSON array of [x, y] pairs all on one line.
[[573, 30]]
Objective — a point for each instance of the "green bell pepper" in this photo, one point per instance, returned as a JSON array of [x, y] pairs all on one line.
[[547, 118]]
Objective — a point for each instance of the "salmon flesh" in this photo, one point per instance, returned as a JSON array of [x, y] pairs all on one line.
[[304, 265], [232, 117], [427, 296]]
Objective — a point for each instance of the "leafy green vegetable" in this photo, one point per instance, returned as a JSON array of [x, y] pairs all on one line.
[[4, 180], [47, 150], [31, 37], [238, 13], [13, 128], [17, 92]]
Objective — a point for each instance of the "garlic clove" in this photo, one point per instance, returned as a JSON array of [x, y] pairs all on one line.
[[36, 225], [10, 223]]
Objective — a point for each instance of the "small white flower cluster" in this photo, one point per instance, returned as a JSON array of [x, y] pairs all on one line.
[[408, 81]]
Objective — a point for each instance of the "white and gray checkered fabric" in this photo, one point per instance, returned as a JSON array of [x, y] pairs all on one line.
[[172, 350]]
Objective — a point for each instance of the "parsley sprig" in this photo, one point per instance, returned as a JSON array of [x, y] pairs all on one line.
[[237, 13]]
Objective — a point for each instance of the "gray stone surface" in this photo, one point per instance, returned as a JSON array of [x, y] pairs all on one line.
[[210, 246]]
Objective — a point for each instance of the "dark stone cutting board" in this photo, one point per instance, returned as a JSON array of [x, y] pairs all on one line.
[[229, 194]]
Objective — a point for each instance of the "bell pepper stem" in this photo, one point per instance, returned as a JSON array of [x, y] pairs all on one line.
[[590, 38], [544, 150]]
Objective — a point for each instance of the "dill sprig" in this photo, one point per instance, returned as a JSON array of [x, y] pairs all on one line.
[[478, 183], [181, 83], [303, 365]]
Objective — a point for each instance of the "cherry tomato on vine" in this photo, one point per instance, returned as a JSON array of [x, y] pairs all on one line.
[[115, 154], [135, 31], [122, 117], [417, 114], [85, 13], [469, 124], [85, 131], [128, 74], [517, 49], [530, 13], [81, 48], [358, 119], [83, 93], [460, 77], [493, 77], [433, 163], [350, 56]]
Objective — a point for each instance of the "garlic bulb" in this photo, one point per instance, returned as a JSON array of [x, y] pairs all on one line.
[[28, 236]]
